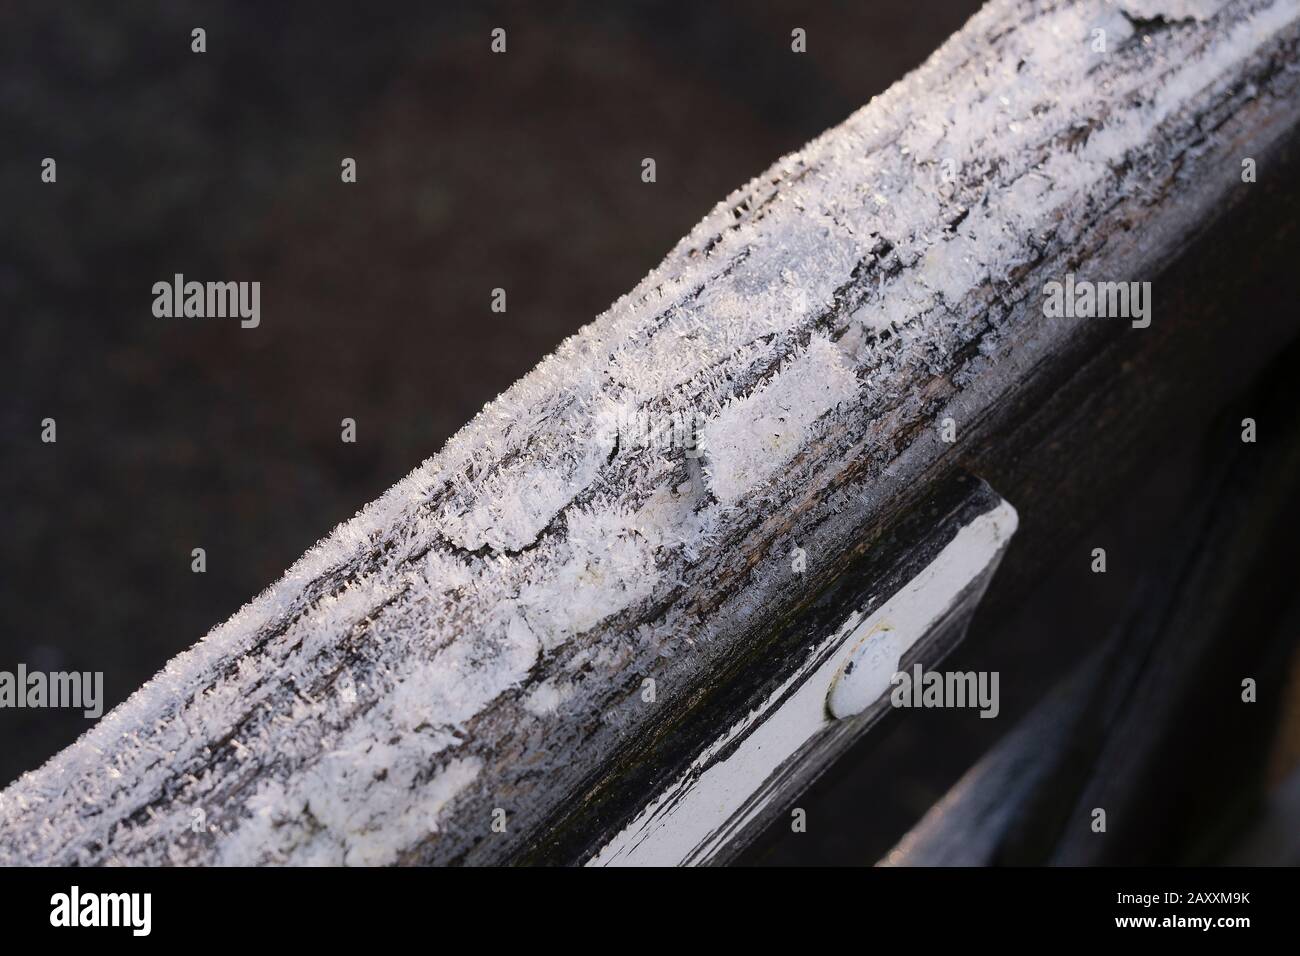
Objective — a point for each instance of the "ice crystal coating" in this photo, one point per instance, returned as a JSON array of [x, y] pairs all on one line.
[[336, 717]]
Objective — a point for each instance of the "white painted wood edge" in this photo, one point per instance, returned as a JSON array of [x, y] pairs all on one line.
[[692, 818]]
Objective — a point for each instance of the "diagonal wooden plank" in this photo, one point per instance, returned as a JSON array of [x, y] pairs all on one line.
[[478, 639]]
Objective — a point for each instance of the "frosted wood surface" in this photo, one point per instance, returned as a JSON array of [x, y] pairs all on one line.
[[477, 638]]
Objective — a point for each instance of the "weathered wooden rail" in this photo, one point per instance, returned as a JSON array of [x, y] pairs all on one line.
[[521, 647]]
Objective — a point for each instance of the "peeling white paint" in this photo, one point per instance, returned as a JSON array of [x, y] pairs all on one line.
[[692, 818]]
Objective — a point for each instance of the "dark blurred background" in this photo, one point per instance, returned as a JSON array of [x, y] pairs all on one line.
[[475, 171]]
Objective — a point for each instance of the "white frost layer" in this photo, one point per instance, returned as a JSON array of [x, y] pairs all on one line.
[[752, 438], [1172, 10], [353, 690], [694, 816]]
